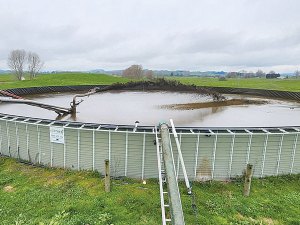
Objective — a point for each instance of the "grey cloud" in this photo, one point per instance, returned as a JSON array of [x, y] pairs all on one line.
[[191, 35]]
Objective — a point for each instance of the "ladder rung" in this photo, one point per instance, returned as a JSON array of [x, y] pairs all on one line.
[[166, 205], [165, 192], [168, 220]]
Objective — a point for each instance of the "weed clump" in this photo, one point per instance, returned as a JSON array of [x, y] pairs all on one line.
[[164, 84], [222, 79]]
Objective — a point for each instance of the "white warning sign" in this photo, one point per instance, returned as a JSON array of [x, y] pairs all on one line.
[[57, 135]]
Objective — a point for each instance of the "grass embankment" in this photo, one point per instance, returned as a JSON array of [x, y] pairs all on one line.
[[60, 79], [33, 195], [291, 84]]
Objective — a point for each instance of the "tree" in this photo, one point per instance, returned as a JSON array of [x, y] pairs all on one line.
[[249, 75], [186, 73], [134, 72], [149, 74], [231, 75], [34, 64], [272, 72], [297, 73], [16, 62], [260, 73]]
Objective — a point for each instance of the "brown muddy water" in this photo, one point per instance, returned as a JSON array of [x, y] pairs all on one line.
[[186, 109]]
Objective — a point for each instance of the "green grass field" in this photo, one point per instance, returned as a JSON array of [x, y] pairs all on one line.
[[33, 195], [60, 79], [290, 84]]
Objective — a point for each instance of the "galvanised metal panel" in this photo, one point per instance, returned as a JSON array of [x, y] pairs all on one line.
[[33, 143], [101, 149], [256, 153], [58, 155], [239, 156], [222, 158], [295, 168], [118, 154], [218, 155], [270, 165], [12, 139], [205, 156], [150, 168], [135, 155], [23, 141], [4, 138], [286, 154], [188, 150], [45, 145], [71, 138], [86, 149]]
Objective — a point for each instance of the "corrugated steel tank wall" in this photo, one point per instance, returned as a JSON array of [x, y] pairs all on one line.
[[209, 153]]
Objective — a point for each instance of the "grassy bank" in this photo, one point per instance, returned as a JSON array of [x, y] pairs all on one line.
[[61, 79], [290, 84], [33, 195]]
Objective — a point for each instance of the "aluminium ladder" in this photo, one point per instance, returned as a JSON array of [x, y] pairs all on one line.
[[162, 178]]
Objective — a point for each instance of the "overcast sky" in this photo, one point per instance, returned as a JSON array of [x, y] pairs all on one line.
[[228, 35]]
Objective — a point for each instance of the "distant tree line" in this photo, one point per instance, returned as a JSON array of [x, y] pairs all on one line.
[[246, 74], [18, 59]]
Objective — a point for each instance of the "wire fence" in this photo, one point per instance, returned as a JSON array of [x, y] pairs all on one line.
[[209, 153]]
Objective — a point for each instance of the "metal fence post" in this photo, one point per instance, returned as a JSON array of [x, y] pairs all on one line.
[[8, 139], [196, 156], [39, 146], [214, 156], [249, 147], [51, 154], [65, 150], [109, 145], [279, 155], [78, 149], [17, 136], [173, 190], [27, 142], [293, 153], [126, 152], [93, 149], [264, 155], [231, 155], [143, 160]]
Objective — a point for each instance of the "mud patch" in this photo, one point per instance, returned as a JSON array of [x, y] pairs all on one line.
[[9, 188], [200, 105], [203, 172]]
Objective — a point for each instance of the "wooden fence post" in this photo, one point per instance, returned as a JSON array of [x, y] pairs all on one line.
[[248, 180], [107, 176]]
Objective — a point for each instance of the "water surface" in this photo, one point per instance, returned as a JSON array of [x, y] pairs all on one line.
[[120, 107]]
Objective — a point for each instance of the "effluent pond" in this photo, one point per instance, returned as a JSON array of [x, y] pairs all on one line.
[[149, 107]]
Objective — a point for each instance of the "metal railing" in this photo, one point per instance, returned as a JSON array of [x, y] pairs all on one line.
[[209, 153]]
